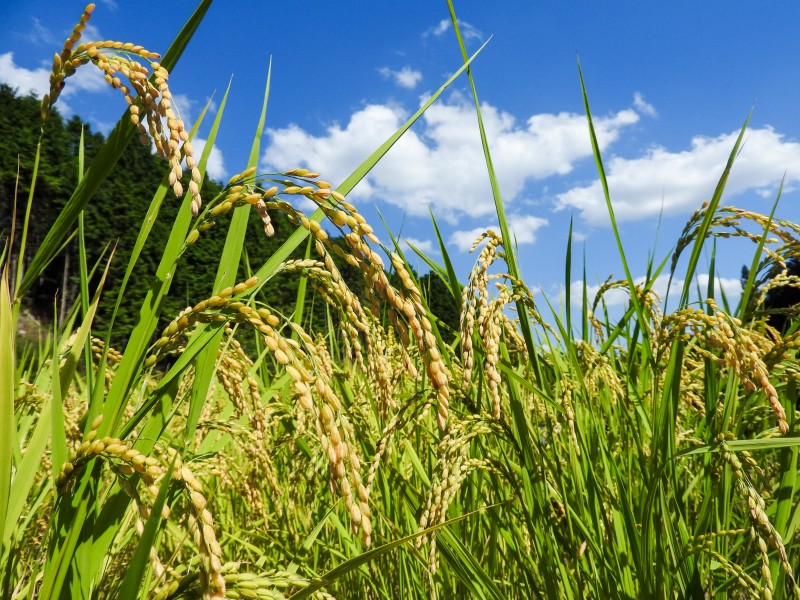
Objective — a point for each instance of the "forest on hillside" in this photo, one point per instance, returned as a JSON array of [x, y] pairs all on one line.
[[112, 221]]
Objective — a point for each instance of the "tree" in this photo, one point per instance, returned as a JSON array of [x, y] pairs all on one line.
[[782, 300]]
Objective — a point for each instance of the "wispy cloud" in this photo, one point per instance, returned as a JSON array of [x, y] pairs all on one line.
[[678, 182], [439, 29], [39, 34], [644, 107], [440, 162], [469, 32], [406, 77]]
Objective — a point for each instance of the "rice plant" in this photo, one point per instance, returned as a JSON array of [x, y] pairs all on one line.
[[240, 452]]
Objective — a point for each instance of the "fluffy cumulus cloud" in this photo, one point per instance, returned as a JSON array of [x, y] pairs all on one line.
[[406, 77], [523, 231], [25, 81], [439, 163], [37, 81], [620, 296], [426, 246], [464, 238], [215, 167], [679, 182]]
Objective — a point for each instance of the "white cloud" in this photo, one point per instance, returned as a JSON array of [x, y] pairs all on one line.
[[467, 31], [37, 81], [463, 239], [731, 287], [406, 77], [440, 162], [25, 81], [524, 227], [425, 246], [91, 33], [215, 167], [39, 34], [644, 107], [620, 296], [523, 231], [679, 182], [439, 29]]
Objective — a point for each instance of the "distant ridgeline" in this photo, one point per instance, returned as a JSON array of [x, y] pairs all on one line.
[[113, 219], [782, 301]]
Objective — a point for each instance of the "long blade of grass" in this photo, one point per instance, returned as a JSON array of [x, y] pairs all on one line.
[[82, 335], [705, 225], [452, 278], [227, 269], [521, 424], [357, 175], [114, 403], [370, 555], [635, 302], [8, 429], [202, 337], [747, 291]]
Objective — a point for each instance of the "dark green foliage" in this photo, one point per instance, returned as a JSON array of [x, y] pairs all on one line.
[[780, 302], [442, 305], [113, 218]]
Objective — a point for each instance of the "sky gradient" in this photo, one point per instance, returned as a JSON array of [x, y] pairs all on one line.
[[670, 86]]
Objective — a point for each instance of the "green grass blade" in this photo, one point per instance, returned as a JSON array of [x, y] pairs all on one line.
[[370, 555], [8, 429], [58, 443], [704, 227], [567, 284], [748, 290], [510, 256], [228, 267], [452, 278], [82, 335], [114, 403], [101, 167], [352, 180], [25, 476], [23, 240], [635, 303]]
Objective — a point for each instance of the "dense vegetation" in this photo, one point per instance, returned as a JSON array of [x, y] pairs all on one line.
[[112, 219], [366, 453]]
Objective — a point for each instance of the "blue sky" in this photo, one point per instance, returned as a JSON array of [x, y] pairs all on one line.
[[670, 86]]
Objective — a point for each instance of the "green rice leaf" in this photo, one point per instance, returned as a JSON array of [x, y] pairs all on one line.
[[8, 429]]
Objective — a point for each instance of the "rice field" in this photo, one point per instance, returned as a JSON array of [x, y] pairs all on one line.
[[539, 454]]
